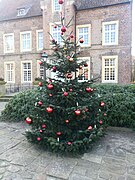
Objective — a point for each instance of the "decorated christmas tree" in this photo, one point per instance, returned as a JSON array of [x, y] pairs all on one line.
[[69, 113]]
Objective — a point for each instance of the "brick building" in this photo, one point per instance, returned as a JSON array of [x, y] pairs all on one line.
[[104, 25]]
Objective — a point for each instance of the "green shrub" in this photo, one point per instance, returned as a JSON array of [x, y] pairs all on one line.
[[20, 106]]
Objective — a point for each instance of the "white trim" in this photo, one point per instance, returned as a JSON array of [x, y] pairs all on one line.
[[38, 31], [5, 71], [53, 10], [116, 35], [25, 50], [89, 34], [22, 80], [103, 69], [5, 50]]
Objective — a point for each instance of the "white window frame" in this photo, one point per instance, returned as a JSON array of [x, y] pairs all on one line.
[[116, 33], [21, 42], [89, 34], [37, 32], [53, 6], [51, 31], [22, 72], [38, 70], [88, 60], [13, 71], [116, 69], [4, 40]]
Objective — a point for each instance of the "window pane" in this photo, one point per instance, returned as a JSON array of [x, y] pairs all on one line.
[[27, 72], [26, 41], [84, 33], [9, 72]]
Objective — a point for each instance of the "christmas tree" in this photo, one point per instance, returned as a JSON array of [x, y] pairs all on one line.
[[69, 113]]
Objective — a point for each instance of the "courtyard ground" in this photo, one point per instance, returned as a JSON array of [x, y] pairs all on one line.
[[112, 158]]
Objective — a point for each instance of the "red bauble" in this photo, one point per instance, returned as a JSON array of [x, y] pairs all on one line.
[[81, 40], [49, 81], [68, 57], [54, 69], [62, 33], [38, 139], [40, 103], [69, 143], [50, 95], [101, 122], [88, 89], [43, 126], [55, 26], [90, 128], [67, 121], [77, 112], [80, 67], [40, 84], [71, 36], [28, 120], [41, 131], [86, 65], [102, 104], [49, 110], [53, 41], [40, 62], [69, 75], [65, 93], [60, 1], [50, 86], [58, 133], [71, 59], [63, 29], [70, 90], [105, 114]]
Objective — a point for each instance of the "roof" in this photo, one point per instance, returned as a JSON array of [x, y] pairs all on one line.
[[9, 8], [89, 4]]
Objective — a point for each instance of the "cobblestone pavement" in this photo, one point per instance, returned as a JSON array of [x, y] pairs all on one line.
[[112, 158], [2, 106]]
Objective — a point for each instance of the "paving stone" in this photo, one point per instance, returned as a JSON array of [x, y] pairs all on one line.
[[2, 170], [12, 168], [4, 163], [130, 158], [79, 170], [129, 177], [61, 169], [79, 177], [92, 157], [53, 178], [131, 169]]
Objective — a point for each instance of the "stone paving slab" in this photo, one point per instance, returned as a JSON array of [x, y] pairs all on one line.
[[112, 158]]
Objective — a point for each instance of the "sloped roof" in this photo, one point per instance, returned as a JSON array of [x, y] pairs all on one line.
[[8, 8], [89, 4]]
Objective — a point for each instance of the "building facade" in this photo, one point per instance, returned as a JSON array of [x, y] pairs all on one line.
[[105, 27]]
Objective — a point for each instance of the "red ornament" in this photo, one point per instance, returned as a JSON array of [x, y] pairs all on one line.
[[50, 86], [71, 36], [65, 94], [88, 89], [53, 41], [77, 112], [70, 90], [49, 81], [71, 59], [102, 104], [58, 133], [90, 128], [49, 110], [50, 95], [69, 143], [40, 84], [67, 121], [86, 65], [81, 40], [40, 62], [63, 29], [43, 126], [68, 57], [40, 103], [54, 69], [41, 131], [55, 26], [38, 139], [62, 33], [69, 75], [60, 1], [28, 120], [55, 49], [101, 122], [105, 114], [80, 67]]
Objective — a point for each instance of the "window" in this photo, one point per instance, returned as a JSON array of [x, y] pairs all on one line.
[[83, 74], [56, 6], [25, 39], [26, 72], [9, 72], [39, 39], [83, 31], [56, 34], [8, 43], [110, 69], [41, 71], [110, 33]]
